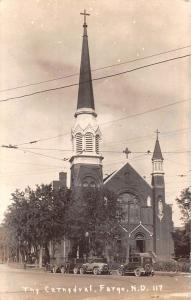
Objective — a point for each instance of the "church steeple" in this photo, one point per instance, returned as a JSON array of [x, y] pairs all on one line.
[[157, 154], [157, 158], [86, 161], [85, 101]]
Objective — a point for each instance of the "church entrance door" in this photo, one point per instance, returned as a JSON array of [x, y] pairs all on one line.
[[140, 245]]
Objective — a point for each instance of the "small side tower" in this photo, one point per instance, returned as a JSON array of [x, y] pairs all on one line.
[[162, 213], [86, 161]]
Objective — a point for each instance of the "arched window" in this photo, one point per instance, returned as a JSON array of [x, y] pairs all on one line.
[[97, 143], [148, 201], [89, 142], [92, 184], [79, 143], [130, 208], [89, 182]]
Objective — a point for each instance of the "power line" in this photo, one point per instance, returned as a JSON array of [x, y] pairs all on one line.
[[39, 154], [107, 151], [97, 69], [47, 149], [41, 140], [128, 116], [147, 111], [172, 132], [95, 79]]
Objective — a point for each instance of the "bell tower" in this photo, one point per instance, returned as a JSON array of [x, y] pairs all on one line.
[[86, 161], [161, 211]]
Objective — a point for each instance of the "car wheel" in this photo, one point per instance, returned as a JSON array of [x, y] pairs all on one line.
[[75, 271], [137, 272], [95, 271], [120, 272], [82, 271]]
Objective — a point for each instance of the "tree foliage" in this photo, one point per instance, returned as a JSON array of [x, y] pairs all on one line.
[[36, 217], [182, 236], [92, 219], [184, 203], [182, 241]]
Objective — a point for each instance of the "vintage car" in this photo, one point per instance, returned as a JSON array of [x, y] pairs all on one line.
[[71, 266], [139, 264], [96, 266]]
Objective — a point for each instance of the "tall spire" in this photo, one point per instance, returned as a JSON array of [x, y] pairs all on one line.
[[157, 154], [85, 91]]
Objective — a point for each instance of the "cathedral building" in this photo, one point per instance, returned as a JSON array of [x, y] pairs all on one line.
[[146, 225]]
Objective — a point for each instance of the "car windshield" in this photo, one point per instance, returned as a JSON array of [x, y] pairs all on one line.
[[147, 260], [134, 259]]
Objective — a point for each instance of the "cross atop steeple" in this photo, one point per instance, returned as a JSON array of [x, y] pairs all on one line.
[[85, 14], [157, 154], [157, 132]]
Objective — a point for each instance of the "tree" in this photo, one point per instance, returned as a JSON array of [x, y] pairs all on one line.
[[182, 237], [36, 217], [182, 242], [91, 220], [184, 203]]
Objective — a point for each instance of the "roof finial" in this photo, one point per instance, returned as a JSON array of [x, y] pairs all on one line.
[[157, 132], [85, 14]]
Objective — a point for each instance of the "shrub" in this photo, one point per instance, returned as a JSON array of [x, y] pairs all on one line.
[[172, 266]]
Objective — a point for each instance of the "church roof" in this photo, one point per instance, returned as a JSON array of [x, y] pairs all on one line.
[[157, 154], [133, 173], [85, 91]]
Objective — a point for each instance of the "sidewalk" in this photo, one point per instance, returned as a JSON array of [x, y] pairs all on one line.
[[114, 272], [172, 274]]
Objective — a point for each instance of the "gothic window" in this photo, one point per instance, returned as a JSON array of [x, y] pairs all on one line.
[[79, 143], [130, 208], [89, 182], [97, 143], [89, 142], [134, 212], [92, 184], [148, 201]]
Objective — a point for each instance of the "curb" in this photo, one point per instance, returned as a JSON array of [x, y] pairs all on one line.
[[172, 274], [114, 272]]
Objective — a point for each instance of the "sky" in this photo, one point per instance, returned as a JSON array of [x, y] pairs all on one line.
[[41, 40]]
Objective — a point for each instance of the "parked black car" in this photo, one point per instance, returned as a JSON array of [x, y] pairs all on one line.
[[95, 266], [71, 266], [139, 264]]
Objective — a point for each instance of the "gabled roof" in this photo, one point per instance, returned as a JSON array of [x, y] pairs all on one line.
[[85, 91], [108, 176], [131, 169], [157, 154], [138, 226]]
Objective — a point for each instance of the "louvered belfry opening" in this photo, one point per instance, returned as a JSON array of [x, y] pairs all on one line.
[[79, 143], [97, 143], [89, 142]]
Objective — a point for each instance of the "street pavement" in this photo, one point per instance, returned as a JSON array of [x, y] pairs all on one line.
[[20, 284]]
